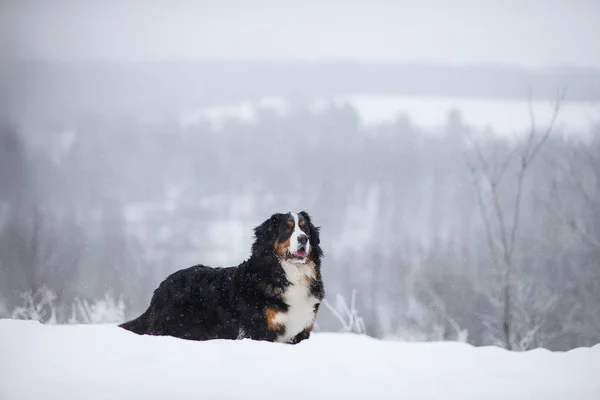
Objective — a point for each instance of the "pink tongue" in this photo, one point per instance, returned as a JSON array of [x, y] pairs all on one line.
[[300, 253]]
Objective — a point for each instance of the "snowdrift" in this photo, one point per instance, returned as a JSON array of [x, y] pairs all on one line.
[[105, 362]]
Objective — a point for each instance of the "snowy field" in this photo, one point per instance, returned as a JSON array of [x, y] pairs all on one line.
[[105, 362]]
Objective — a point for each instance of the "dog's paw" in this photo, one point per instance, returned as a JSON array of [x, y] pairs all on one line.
[[304, 335]]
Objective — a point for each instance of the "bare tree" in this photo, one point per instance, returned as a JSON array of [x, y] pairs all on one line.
[[577, 180], [501, 228], [574, 202]]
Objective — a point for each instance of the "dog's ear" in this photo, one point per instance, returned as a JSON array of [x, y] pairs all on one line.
[[269, 227], [265, 235], [315, 239]]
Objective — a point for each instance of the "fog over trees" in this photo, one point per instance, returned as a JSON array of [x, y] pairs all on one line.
[[453, 234]]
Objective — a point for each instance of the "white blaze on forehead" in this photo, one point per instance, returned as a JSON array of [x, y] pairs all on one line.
[[294, 244]]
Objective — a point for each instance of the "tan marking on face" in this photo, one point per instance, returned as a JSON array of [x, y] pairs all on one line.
[[291, 223], [280, 248], [301, 224], [271, 315]]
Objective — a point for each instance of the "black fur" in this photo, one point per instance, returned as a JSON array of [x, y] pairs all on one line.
[[203, 303]]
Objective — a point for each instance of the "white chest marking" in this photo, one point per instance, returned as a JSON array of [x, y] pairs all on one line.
[[301, 312]]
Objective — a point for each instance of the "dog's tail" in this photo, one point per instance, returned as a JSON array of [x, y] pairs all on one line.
[[138, 325]]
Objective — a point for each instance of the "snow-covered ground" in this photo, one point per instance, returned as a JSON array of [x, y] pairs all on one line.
[[104, 362]]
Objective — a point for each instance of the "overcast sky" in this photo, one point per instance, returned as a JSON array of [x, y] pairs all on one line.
[[526, 33]]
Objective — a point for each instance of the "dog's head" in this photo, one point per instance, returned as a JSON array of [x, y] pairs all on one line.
[[291, 237]]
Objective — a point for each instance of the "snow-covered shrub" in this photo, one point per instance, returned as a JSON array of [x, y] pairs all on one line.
[[37, 306], [107, 310], [40, 306], [347, 315], [423, 324]]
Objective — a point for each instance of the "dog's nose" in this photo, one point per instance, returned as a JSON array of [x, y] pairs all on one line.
[[302, 239]]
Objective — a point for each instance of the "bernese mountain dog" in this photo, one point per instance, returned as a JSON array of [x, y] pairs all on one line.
[[272, 296]]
